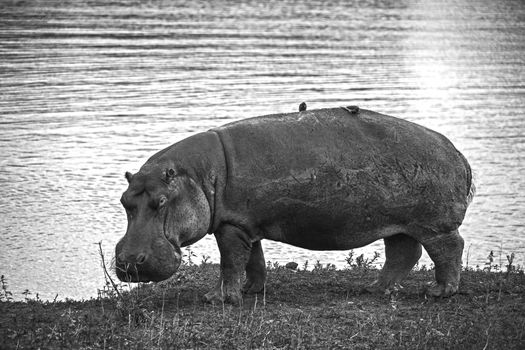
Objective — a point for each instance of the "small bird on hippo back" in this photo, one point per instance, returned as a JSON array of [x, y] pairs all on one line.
[[302, 107]]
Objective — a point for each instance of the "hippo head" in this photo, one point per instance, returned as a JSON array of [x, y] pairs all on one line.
[[166, 210]]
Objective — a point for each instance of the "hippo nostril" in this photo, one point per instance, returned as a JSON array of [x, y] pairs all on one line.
[[141, 258], [123, 259]]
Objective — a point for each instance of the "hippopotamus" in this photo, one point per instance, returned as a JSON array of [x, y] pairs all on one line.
[[325, 179]]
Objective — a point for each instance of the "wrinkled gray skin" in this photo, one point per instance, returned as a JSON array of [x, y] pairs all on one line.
[[329, 179]]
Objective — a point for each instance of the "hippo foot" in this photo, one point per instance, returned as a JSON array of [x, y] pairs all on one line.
[[253, 287], [374, 288], [219, 296], [377, 287], [438, 290]]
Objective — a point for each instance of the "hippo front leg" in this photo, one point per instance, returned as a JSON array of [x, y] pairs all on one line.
[[235, 248], [255, 270]]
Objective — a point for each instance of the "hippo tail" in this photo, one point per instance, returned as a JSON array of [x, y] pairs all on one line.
[[472, 189], [470, 181], [471, 192]]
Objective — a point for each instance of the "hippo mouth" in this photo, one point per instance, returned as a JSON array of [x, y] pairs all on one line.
[[154, 268], [134, 273], [138, 273]]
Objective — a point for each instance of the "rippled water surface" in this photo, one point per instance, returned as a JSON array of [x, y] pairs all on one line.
[[91, 89]]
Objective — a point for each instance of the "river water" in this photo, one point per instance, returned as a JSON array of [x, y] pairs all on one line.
[[91, 89]]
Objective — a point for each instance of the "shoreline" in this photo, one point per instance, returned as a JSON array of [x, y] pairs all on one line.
[[190, 254], [300, 309]]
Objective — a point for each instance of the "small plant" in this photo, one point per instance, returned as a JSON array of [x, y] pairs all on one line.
[[350, 258], [272, 265], [424, 268], [130, 306], [318, 267], [5, 295], [110, 291], [189, 256], [107, 277], [26, 294], [510, 267], [361, 263], [489, 265], [330, 267], [205, 260]]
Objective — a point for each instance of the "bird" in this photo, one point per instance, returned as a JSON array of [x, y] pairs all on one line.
[[353, 109], [302, 107]]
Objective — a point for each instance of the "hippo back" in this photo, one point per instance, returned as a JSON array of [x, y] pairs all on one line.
[[317, 172]]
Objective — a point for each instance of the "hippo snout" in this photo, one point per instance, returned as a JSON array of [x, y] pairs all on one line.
[[145, 264]]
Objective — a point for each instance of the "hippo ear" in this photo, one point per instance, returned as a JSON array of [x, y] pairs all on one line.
[[128, 176], [170, 174]]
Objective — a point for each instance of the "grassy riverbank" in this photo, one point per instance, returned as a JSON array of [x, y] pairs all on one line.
[[322, 308]]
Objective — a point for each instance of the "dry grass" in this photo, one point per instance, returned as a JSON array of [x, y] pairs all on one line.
[[317, 309]]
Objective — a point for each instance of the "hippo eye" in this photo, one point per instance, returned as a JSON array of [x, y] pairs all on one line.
[[162, 201]]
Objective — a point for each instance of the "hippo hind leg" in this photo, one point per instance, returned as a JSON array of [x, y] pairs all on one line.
[[445, 250], [401, 254], [255, 270]]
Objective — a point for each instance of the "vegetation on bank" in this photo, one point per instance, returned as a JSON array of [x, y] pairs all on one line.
[[319, 308]]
